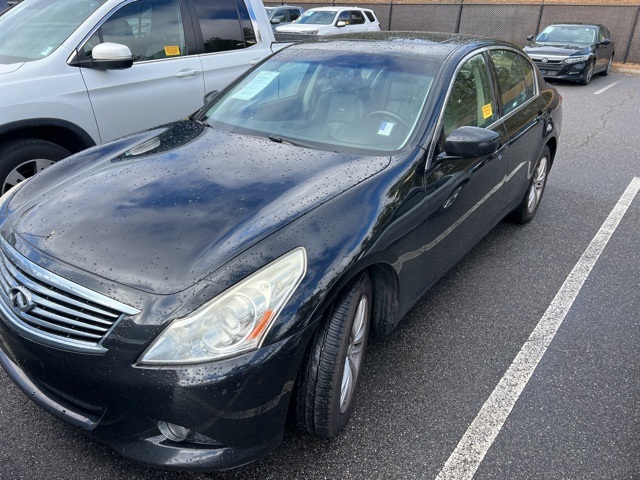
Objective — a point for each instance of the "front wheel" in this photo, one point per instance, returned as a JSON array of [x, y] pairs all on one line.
[[325, 393], [607, 70], [531, 200], [588, 74], [23, 158]]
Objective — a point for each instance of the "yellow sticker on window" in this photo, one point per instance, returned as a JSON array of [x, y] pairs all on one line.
[[171, 51], [487, 111]]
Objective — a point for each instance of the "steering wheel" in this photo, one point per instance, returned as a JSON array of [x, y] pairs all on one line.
[[395, 116]]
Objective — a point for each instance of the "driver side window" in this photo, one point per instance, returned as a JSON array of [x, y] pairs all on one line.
[[471, 101], [152, 29]]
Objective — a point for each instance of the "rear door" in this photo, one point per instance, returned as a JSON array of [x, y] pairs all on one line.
[[227, 40], [165, 82], [523, 112]]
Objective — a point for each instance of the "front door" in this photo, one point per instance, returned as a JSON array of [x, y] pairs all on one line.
[[463, 195], [165, 82]]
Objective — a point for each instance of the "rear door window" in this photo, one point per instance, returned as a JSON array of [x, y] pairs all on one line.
[[225, 25], [510, 78]]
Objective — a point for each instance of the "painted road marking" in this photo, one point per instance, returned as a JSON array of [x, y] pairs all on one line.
[[472, 448], [606, 88]]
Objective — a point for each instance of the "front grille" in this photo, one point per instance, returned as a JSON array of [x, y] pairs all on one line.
[[51, 309]]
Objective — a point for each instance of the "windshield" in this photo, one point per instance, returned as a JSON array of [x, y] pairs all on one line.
[[329, 100], [564, 34], [33, 29], [321, 17]]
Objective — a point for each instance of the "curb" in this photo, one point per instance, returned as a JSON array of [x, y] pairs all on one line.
[[630, 68]]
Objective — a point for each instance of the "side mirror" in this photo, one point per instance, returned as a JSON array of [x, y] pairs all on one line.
[[111, 56], [275, 21], [471, 142], [605, 42], [341, 23], [530, 37]]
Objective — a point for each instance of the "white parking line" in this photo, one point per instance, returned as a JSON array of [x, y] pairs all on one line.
[[472, 448], [606, 88]]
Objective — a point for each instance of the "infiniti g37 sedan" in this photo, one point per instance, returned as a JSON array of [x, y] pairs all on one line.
[[185, 292]]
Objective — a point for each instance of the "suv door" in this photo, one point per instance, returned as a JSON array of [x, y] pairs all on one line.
[[226, 40], [165, 82]]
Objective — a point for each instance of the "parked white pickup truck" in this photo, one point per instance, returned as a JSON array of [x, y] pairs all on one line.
[[76, 73]]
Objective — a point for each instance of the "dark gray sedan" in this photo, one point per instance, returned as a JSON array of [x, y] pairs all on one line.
[[182, 292]]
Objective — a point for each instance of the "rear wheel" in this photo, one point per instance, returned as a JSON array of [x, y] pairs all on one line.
[[21, 159], [325, 394], [531, 200]]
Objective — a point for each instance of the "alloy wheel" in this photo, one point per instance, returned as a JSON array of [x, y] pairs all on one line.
[[537, 185], [355, 351]]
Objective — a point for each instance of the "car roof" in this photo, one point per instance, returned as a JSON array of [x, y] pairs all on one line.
[[576, 24], [434, 45]]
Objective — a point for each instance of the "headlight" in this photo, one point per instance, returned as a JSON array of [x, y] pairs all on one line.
[[234, 322], [581, 58]]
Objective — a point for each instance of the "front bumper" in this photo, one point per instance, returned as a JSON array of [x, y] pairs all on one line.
[[561, 71], [236, 408]]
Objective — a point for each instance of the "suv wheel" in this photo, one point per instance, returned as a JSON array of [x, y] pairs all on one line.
[[21, 159]]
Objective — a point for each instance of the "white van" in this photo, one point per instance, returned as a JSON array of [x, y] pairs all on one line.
[[76, 73]]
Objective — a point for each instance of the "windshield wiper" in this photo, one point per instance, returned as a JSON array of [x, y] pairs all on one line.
[[279, 139]]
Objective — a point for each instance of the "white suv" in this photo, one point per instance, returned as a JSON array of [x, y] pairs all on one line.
[[331, 21], [76, 73]]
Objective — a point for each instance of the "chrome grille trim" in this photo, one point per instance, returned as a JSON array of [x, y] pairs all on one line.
[[62, 314]]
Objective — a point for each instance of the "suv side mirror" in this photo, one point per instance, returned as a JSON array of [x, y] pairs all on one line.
[[530, 37], [471, 142], [111, 56], [341, 23], [605, 42], [275, 21]]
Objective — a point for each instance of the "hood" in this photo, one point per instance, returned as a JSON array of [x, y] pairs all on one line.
[[535, 48], [161, 210]]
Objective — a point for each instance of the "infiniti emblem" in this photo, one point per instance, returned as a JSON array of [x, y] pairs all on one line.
[[20, 298]]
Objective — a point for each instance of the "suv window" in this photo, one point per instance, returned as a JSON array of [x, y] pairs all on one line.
[[294, 13], [222, 25], [344, 17], [357, 17], [370, 15], [150, 28], [471, 101], [510, 78]]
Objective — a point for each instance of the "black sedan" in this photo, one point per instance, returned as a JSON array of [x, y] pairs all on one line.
[[183, 292], [572, 51]]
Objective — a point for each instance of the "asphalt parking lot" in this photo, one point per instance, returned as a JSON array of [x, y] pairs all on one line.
[[463, 389]]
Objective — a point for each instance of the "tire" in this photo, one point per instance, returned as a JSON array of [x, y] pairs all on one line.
[[324, 396], [532, 197], [588, 74], [607, 69], [21, 159]]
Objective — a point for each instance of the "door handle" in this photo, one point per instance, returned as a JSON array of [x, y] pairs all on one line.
[[186, 73]]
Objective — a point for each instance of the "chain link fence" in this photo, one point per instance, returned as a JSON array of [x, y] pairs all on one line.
[[511, 21]]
